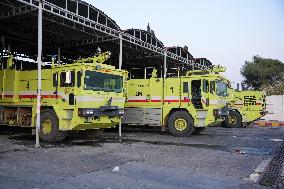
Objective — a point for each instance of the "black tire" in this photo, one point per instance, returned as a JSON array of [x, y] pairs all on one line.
[[198, 130], [186, 120], [234, 120], [50, 133]]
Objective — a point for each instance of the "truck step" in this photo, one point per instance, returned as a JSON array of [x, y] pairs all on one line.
[[201, 114], [201, 122]]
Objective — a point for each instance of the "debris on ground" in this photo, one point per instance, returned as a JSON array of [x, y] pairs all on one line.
[[115, 169], [240, 151], [277, 140]]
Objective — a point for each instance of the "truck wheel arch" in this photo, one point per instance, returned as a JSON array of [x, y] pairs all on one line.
[[239, 118], [171, 112], [54, 134], [180, 123]]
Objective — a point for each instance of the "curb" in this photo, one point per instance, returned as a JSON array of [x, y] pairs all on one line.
[[269, 123], [272, 174], [258, 172]]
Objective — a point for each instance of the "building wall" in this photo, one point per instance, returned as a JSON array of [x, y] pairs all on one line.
[[275, 108]]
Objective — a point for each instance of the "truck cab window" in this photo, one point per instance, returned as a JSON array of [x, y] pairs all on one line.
[[67, 79], [55, 80], [205, 86], [185, 87], [79, 77], [212, 87]]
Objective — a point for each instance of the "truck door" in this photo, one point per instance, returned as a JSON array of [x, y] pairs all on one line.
[[172, 92], [196, 94], [214, 98], [185, 92], [66, 86], [221, 93], [205, 95]]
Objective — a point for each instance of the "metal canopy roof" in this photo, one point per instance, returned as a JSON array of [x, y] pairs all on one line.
[[78, 28]]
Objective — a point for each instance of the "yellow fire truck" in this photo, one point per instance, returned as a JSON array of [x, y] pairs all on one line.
[[182, 105], [244, 106], [84, 95]]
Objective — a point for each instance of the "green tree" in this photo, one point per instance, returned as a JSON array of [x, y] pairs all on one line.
[[261, 72]]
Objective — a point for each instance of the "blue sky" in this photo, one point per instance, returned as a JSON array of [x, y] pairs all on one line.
[[227, 32]]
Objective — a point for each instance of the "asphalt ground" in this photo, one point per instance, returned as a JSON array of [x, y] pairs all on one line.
[[217, 158]]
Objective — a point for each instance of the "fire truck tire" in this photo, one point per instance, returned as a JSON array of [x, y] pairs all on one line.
[[180, 124], [233, 120], [49, 127], [198, 130]]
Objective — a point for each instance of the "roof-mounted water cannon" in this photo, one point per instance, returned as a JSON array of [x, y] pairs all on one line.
[[214, 70], [218, 69], [102, 57], [97, 59]]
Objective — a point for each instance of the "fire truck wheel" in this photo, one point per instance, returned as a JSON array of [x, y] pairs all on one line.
[[49, 127], [180, 124], [198, 130], [233, 120]]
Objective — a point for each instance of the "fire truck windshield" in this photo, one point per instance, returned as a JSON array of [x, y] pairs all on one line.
[[222, 88], [98, 81]]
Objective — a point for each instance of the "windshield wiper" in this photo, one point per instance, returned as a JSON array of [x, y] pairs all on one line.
[[108, 90], [96, 88]]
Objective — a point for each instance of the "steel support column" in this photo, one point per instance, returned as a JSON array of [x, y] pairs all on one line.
[[119, 67], [39, 51], [165, 65], [58, 55]]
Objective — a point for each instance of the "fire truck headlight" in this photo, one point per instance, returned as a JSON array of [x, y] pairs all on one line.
[[121, 112], [86, 112], [217, 112], [89, 112]]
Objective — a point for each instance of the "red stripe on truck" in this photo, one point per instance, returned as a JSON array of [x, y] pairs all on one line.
[[42, 96], [137, 101], [27, 96], [171, 100], [156, 101], [8, 96], [143, 101]]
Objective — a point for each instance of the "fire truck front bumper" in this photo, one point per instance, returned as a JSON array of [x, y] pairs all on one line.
[[110, 111], [222, 112]]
